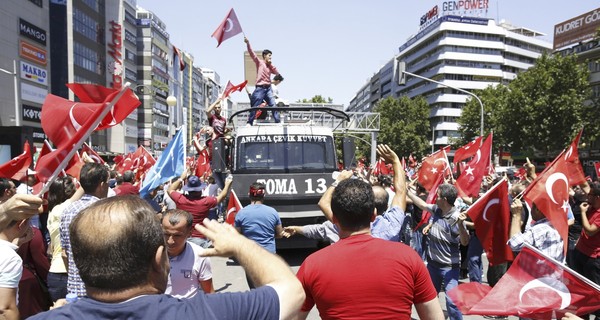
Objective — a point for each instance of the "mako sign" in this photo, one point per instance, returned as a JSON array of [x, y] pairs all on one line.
[[32, 73]]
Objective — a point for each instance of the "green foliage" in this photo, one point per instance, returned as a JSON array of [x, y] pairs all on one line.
[[317, 99], [404, 125], [542, 109]]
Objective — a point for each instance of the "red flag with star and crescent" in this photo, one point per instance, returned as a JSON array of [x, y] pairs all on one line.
[[535, 286], [230, 88], [177, 53], [16, 168], [469, 181], [228, 28], [91, 153], [491, 215], [550, 189], [467, 151], [62, 118], [233, 207], [432, 167]]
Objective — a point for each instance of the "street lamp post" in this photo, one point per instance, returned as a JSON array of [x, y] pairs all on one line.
[[457, 89], [14, 74]]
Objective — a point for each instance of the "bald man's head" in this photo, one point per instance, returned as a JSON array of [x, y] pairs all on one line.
[[381, 199], [115, 242]]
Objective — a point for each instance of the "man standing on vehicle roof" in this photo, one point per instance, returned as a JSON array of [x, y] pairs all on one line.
[[262, 90]]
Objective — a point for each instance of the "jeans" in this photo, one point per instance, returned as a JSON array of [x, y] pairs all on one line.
[[57, 285], [417, 242], [449, 277], [474, 263], [204, 243], [260, 94]]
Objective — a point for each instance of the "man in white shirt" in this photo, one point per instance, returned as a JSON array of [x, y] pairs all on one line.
[[189, 271]]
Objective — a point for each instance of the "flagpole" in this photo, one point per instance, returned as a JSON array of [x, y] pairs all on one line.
[[78, 144], [564, 266]]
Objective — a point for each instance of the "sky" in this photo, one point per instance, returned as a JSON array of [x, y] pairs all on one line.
[[328, 47]]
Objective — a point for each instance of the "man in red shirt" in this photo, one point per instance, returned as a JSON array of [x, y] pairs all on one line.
[[587, 250], [362, 277], [195, 203], [127, 187]]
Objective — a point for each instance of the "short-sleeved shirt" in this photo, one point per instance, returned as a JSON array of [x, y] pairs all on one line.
[[11, 265], [257, 222], [197, 207], [57, 265], [187, 270], [362, 277], [261, 303], [590, 245], [74, 282], [126, 188], [444, 237]]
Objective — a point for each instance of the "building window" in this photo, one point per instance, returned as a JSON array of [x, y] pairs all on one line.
[[87, 58], [130, 37], [129, 55], [96, 5], [85, 25], [130, 75]]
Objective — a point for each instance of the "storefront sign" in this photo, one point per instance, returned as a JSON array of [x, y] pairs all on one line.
[[33, 93], [32, 73], [32, 53], [32, 32], [578, 29], [31, 113]]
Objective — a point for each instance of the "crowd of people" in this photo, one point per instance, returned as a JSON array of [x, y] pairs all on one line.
[[100, 244]]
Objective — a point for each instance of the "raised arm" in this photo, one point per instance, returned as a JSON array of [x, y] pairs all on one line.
[[211, 107], [176, 185], [223, 194], [325, 202], [250, 51], [19, 207], [263, 267], [399, 176], [589, 229]]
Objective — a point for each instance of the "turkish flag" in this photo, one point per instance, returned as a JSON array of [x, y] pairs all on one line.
[[411, 161], [597, 166], [468, 150], [432, 166], [177, 53], [574, 168], [231, 88], [203, 164], [380, 168], [491, 215], [74, 166], [17, 167], [124, 164], [432, 196], [469, 181], [142, 160], [91, 153], [228, 28], [535, 286], [233, 207], [62, 118], [550, 189]]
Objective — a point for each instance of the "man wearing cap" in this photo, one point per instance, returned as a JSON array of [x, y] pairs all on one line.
[[259, 222], [195, 203]]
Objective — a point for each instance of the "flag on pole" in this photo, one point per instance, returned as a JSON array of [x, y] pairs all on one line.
[[233, 207], [177, 53], [91, 153], [432, 166], [469, 181], [228, 28], [73, 134], [230, 88], [16, 168], [170, 164], [203, 164], [491, 215], [468, 150], [62, 119], [535, 286]]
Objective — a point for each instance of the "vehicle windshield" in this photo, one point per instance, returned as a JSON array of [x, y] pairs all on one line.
[[305, 153]]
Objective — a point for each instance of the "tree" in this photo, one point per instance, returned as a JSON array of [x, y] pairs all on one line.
[[541, 110], [317, 99], [404, 125]]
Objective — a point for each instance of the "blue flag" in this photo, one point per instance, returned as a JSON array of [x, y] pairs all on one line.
[[170, 164]]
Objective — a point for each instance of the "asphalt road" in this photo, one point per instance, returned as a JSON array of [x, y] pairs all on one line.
[[228, 276]]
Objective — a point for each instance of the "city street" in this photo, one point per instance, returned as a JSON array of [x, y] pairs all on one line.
[[228, 276]]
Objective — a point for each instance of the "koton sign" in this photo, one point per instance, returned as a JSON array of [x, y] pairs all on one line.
[[578, 29], [33, 73], [33, 53]]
